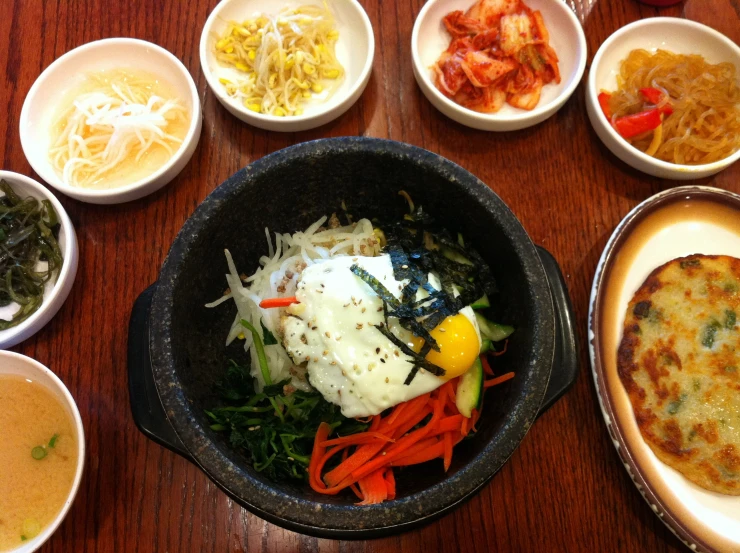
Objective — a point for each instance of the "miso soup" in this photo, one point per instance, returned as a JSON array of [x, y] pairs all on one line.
[[38, 458]]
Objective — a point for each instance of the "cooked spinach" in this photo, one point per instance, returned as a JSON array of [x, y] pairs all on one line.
[[275, 427]]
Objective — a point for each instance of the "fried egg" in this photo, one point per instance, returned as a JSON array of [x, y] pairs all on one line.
[[349, 361]]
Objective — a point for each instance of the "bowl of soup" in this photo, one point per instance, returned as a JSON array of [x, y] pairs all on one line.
[[42, 452]]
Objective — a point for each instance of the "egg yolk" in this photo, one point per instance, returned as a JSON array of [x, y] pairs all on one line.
[[458, 345]]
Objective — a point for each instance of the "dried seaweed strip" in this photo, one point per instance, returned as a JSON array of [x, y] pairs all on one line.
[[28, 231], [415, 369], [415, 357], [381, 291]]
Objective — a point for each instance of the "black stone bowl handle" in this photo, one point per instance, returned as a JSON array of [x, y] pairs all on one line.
[[151, 419]]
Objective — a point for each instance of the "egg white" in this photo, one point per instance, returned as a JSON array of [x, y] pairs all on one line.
[[332, 330]]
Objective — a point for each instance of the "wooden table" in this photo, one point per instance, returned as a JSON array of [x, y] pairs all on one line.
[[563, 489]]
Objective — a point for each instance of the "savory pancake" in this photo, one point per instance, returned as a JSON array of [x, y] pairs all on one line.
[[678, 361]]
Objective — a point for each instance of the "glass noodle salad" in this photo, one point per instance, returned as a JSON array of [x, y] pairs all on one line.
[[274, 63], [368, 351]]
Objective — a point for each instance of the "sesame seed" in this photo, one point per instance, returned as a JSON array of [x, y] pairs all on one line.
[[379, 309], [387, 380], [333, 362], [396, 353], [327, 334], [315, 359], [382, 360], [326, 352], [359, 326], [363, 310], [404, 266], [442, 329]]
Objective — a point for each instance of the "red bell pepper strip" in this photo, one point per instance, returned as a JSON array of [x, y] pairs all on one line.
[[277, 302], [655, 96], [604, 98], [638, 123], [652, 95]]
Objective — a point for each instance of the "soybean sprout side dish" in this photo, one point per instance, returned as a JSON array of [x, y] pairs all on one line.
[[275, 63], [30, 256], [368, 350]]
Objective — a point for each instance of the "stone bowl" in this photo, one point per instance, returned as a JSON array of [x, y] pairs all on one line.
[[176, 345]]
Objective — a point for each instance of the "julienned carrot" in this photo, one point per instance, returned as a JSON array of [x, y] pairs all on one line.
[[360, 438], [373, 488], [498, 380], [421, 456], [486, 366], [278, 302], [416, 431], [447, 459], [390, 483]]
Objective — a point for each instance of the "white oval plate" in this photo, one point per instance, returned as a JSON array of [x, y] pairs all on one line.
[[672, 224]]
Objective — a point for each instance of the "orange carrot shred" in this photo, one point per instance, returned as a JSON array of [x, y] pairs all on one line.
[[486, 366], [390, 483], [447, 439], [497, 353], [498, 380], [437, 450], [416, 431], [359, 438]]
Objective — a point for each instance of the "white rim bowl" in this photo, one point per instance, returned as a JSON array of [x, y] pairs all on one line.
[[355, 50], [42, 107], [668, 33], [17, 364], [56, 292], [430, 38]]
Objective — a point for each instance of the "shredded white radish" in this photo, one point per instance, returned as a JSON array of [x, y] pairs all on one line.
[[122, 119], [277, 276]]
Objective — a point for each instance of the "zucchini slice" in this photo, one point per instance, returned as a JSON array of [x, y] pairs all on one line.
[[470, 390], [493, 331]]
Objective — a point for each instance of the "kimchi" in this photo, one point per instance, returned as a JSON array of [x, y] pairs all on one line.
[[500, 52]]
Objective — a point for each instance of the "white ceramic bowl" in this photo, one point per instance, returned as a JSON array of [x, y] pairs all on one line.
[[430, 38], [41, 109], [17, 364], [56, 292], [667, 33], [355, 50]]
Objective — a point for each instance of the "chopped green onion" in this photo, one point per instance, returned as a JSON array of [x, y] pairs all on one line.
[[53, 440], [38, 452], [260, 351]]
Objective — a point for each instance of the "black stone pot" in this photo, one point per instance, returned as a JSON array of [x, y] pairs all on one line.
[[176, 350]]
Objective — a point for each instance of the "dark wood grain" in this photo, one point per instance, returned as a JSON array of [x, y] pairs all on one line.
[[564, 489]]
